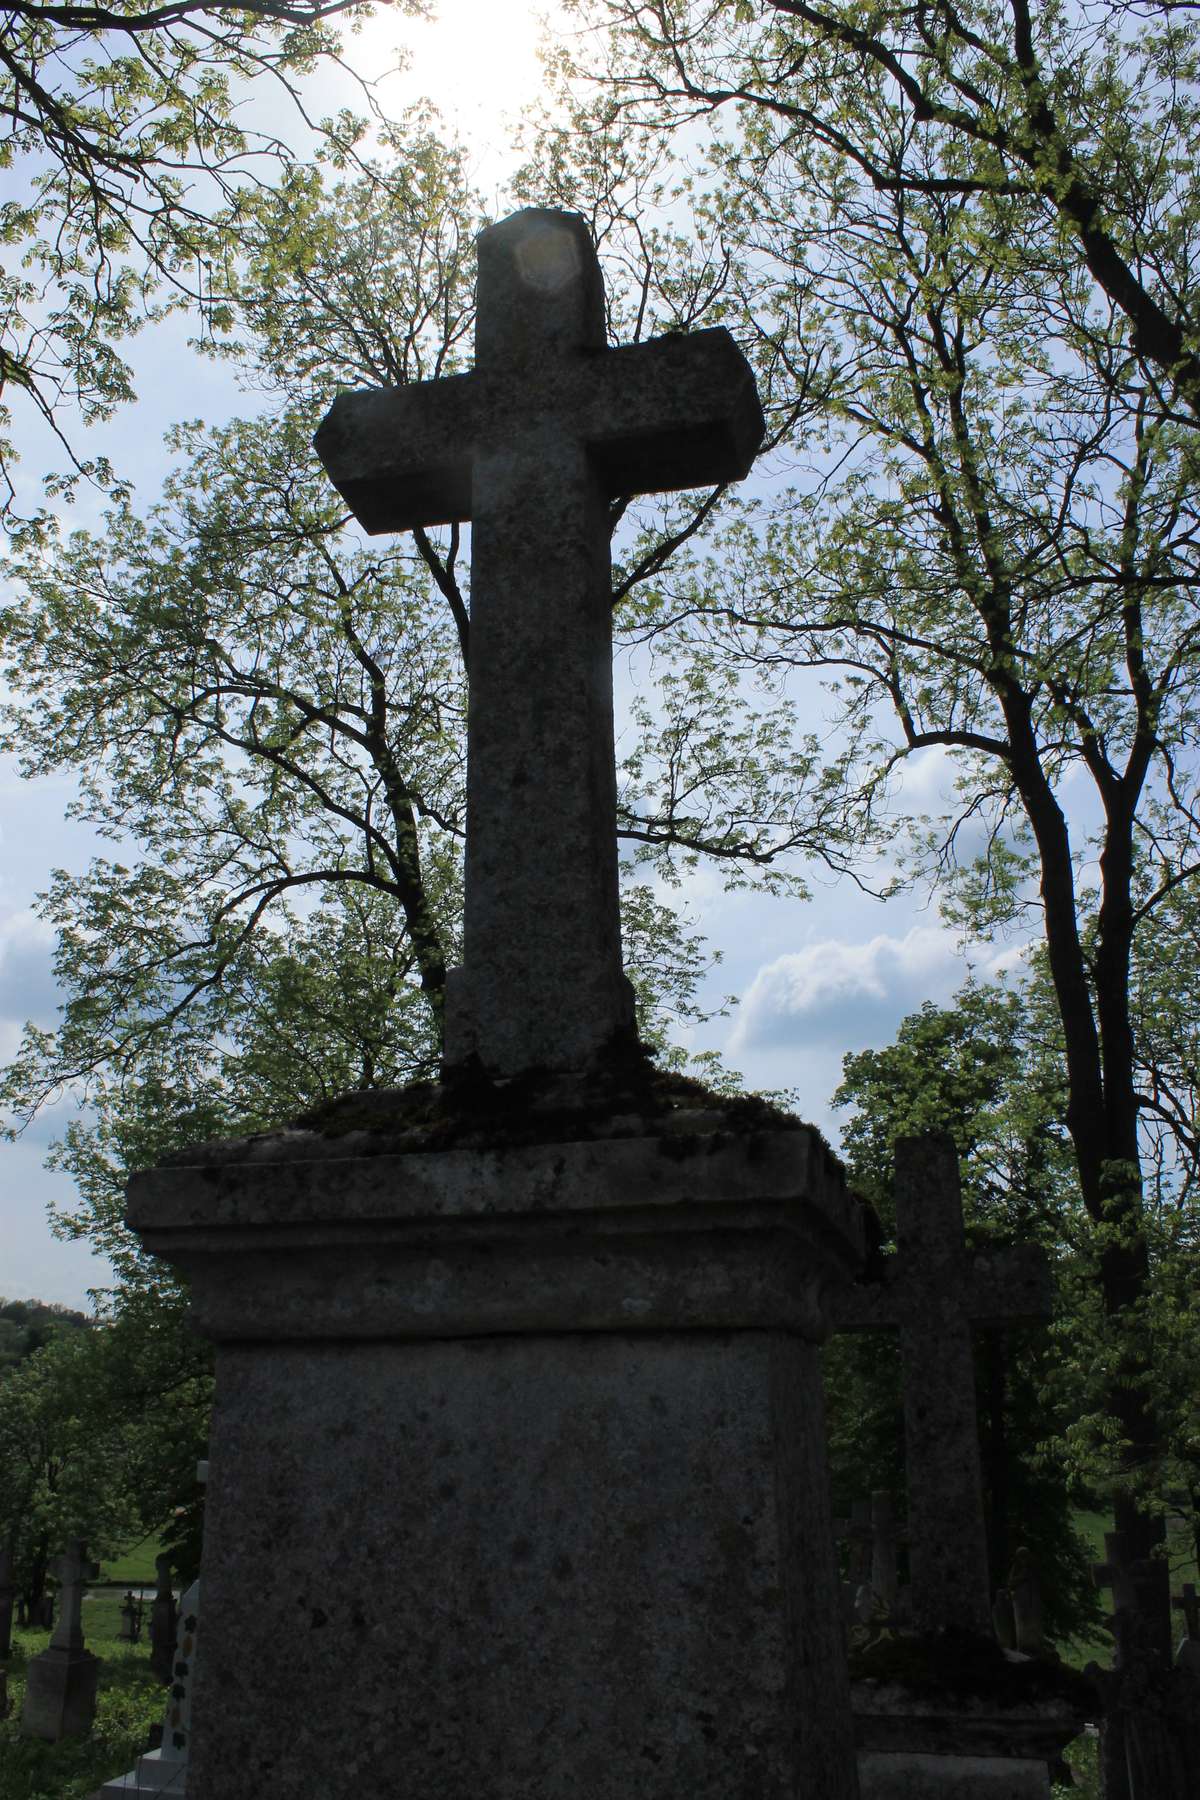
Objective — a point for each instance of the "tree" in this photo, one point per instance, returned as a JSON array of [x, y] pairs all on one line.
[[266, 714], [986, 1072], [25, 1325], [934, 228], [100, 1430], [1087, 117], [132, 163]]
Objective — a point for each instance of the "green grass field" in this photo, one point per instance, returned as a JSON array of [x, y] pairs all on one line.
[[136, 1567]]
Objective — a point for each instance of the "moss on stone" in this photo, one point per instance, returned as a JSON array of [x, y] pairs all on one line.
[[626, 1094]]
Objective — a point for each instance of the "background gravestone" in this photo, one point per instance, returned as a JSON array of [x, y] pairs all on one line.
[[60, 1683], [932, 1292]]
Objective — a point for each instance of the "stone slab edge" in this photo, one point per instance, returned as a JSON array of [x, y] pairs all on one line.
[[297, 1178]]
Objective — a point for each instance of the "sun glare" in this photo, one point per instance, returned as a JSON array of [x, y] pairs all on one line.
[[476, 60]]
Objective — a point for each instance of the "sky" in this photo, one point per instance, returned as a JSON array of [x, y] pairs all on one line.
[[814, 980]]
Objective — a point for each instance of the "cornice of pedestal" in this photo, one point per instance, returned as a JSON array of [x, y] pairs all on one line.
[[299, 1234]]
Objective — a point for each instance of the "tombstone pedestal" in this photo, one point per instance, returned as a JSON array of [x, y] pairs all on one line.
[[914, 1748], [60, 1683], [517, 1474], [60, 1694]]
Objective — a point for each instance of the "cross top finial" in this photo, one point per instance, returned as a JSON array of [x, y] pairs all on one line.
[[540, 292]]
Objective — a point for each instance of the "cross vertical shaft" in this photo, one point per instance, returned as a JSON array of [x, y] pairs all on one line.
[[947, 1548], [542, 930]]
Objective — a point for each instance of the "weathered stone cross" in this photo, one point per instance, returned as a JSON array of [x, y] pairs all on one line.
[[934, 1290], [72, 1572], [531, 447], [1141, 1619], [1188, 1604]]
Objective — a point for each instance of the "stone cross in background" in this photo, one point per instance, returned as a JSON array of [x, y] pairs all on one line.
[[934, 1290], [60, 1685], [1187, 1655], [72, 1571], [873, 1574], [532, 447], [1136, 1585], [162, 1620]]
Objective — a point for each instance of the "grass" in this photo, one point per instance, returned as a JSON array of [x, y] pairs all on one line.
[[128, 1702], [136, 1567], [1083, 1757]]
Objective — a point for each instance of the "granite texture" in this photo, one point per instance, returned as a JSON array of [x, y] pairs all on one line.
[[884, 1776], [517, 1479], [532, 447], [518, 1568], [295, 1235]]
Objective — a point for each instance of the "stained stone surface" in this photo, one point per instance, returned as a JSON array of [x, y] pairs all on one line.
[[902, 1775], [515, 1568], [517, 1473]]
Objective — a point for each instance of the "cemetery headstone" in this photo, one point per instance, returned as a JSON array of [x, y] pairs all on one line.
[[873, 1574], [164, 1770], [7, 1597], [163, 1620], [1187, 1602], [131, 1618], [1026, 1596], [60, 1688], [936, 1737], [932, 1291], [518, 1479], [1004, 1621]]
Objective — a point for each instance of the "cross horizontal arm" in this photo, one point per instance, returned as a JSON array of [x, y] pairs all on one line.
[[674, 412], [999, 1287], [401, 457]]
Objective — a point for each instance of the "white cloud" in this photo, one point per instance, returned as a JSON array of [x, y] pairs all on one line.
[[851, 994], [27, 987]]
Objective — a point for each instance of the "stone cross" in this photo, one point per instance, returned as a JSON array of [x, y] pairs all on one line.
[[1188, 1604], [72, 1571], [934, 1290], [858, 1532], [131, 1617], [1141, 1620], [532, 447], [1187, 1651], [162, 1620]]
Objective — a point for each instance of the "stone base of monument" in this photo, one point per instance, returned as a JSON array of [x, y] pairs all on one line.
[[60, 1694], [909, 1775], [998, 1735], [152, 1775], [517, 1484]]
